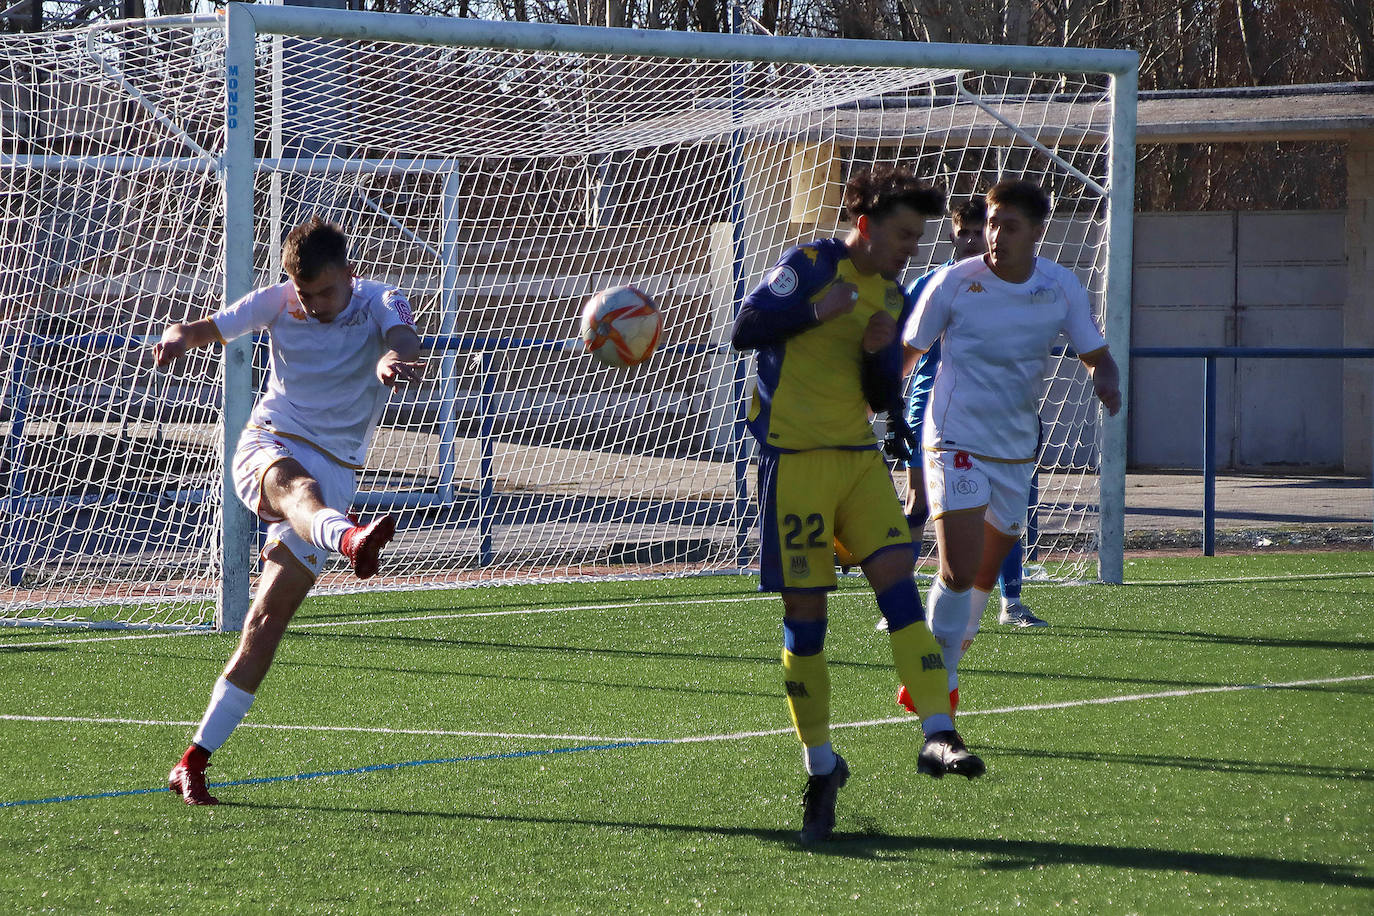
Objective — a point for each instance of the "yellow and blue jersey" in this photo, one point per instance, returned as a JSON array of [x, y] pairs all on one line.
[[807, 391]]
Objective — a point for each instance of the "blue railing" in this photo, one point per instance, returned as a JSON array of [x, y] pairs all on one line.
[[1210, 355], [24, 347]]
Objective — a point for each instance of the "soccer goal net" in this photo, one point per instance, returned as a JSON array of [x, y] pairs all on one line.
[[499, 173]]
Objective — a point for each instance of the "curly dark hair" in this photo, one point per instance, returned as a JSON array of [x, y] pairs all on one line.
[[973, 210], [1026, 196], [311, 247], [877, 191]]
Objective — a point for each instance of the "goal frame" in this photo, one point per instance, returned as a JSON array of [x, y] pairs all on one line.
[[239, 164], [244, 23]]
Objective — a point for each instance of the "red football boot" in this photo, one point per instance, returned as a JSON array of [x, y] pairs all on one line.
[[362, 545], [188, 778], [904, 700]]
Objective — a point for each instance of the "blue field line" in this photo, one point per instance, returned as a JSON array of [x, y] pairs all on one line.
[[351, 771]]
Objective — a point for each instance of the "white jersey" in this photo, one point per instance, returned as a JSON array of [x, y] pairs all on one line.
[[995, 338], [322, 384]]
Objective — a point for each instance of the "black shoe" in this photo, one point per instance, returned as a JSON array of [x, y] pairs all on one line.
[[944, 752], [818, 802]]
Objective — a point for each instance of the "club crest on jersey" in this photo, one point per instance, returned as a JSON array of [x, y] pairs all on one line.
[[893, 300], [397, 300], [783, 282], [800, 567], [297, 313], [1042, 294]]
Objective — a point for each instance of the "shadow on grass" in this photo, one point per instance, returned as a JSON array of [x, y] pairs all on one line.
[[502, 676], [995, 853], [598, 651], [1265, 642], [1206, 764], [723, 588]]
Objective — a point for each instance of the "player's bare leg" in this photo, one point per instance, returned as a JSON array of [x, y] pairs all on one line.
[[284, 585], [289, 491], [281, 590]]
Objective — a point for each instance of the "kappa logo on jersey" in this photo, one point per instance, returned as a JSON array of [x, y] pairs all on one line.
[[975, 287], [800, 567], [962, 461], [966, 486], [783, 282]]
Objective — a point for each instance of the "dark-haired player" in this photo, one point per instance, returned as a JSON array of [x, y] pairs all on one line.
[[338, 343], [967, 222], [995, 317], [825, 326]]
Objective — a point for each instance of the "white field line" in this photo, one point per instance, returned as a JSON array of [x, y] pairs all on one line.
[[76, 640], [731, 736], [1244, 580], [428, 733]]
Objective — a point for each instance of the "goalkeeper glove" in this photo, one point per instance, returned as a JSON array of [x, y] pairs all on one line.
[[899, 442]]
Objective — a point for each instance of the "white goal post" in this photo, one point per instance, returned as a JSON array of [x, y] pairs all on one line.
[[500, 173]]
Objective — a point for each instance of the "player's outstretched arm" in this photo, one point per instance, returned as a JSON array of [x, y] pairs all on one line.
[[179, 339], [402, 362], [1106, 378]]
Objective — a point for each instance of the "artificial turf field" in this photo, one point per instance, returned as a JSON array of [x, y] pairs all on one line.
[[1179, 744]]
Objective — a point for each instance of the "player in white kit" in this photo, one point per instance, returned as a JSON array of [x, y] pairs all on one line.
[[995, 318], [338, 344]]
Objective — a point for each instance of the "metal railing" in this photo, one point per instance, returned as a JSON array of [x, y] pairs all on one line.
[[1210, 355]]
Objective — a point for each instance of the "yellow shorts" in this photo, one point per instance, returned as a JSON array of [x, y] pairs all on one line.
[[808, 500]]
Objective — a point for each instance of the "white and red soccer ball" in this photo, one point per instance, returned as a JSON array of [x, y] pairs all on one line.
[[621, 326]]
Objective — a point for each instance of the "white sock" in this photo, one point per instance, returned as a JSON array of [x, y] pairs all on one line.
[[228, 706], [820, 760], [327, 528], [978, 602], [947, 612]]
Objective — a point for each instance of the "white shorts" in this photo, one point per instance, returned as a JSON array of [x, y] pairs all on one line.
[[259, 450], [958, 480]]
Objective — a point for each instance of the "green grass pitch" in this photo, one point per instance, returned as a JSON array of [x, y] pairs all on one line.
[[624, 748]]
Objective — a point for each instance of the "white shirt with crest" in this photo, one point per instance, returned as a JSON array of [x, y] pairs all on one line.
[[995, 341], [322, 384]]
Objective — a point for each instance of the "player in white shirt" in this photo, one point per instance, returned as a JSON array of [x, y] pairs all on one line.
[[995, 317], [338, 344]]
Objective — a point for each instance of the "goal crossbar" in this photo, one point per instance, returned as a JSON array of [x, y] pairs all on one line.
[[895, 100]]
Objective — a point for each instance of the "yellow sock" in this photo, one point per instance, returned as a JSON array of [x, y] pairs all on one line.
[[921, 669], [808, 696]]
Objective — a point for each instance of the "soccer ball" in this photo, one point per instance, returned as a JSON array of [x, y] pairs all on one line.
[[621, 326]]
